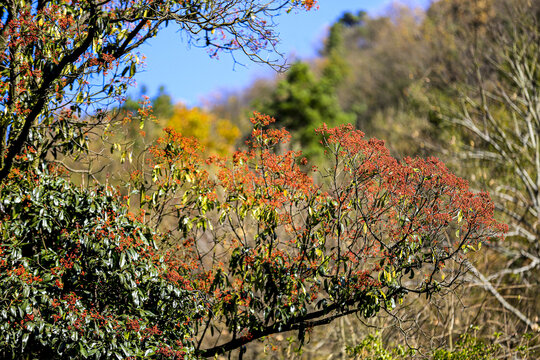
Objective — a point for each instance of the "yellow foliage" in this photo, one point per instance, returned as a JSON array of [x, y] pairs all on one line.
[[218, 136]]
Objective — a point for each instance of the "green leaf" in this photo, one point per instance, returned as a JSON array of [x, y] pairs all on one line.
[[25, 340], [122, 260], [132, 69]]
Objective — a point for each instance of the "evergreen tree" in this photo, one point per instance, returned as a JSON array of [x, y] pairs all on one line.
[[301, 103]]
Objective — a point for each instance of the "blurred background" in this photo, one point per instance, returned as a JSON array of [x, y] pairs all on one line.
[[190, 75]]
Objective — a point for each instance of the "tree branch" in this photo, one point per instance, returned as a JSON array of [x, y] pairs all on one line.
[[484, 282], [300, 324]]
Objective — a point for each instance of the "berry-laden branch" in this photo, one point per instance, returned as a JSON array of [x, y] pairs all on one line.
[[276, 246]]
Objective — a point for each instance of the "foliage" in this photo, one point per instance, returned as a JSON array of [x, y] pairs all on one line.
[[80, 277], [275, 252], [371, 347], [217, 136], [259, 249], [467, 348]]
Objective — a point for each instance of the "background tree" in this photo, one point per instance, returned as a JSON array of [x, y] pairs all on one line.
[[303, 103], [371, 69], [500, 113], [216, 136]]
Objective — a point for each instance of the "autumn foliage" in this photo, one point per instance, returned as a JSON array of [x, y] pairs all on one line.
[[216, 135], [259, 244]]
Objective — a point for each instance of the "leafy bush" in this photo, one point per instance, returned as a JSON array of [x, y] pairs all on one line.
[[80, 277]]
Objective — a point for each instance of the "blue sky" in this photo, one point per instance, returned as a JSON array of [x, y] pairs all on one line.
[[189, 75]]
